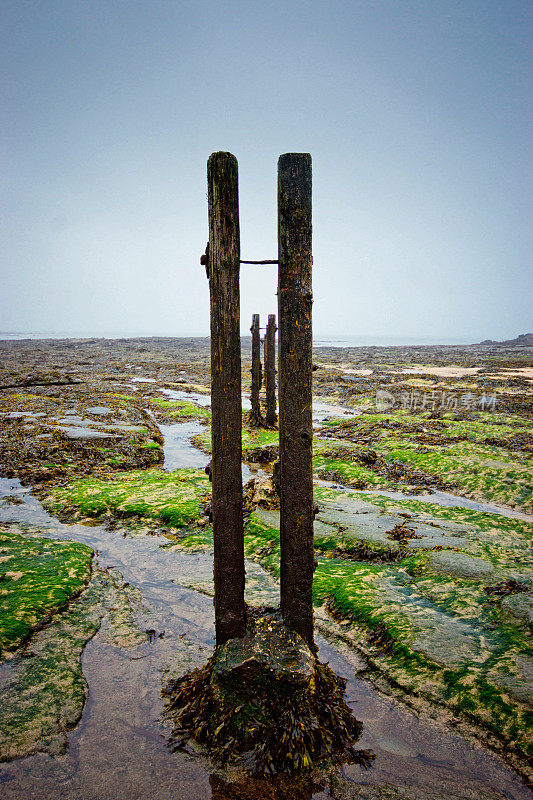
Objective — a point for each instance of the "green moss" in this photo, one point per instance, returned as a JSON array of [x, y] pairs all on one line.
[[343, 471], [251, 438], [480, 519], [123, 397], [181, 409], [43, 694], [171, 498], [37, 577]]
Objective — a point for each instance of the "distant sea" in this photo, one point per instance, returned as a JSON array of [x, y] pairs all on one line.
[[319, 341]]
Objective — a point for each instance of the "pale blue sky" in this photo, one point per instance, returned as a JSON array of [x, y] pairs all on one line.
[[417, 115]]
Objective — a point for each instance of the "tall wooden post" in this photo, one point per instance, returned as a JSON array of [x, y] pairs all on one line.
[[295, 364], [226, 405], [270, 371], [256, 418]]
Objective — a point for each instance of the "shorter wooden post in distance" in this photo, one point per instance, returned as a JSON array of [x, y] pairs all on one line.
[[295, 365], [226, 405], [256, 418], [270, 371]]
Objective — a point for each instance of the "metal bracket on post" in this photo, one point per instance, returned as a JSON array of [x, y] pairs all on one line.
[[204, 260]]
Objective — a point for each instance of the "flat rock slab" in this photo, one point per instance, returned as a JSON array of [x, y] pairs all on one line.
[[440, 636], [349, 505], [446, 640], [460, 565], [271, 518], [74, 419], [323, 531], [433, 535], [123, 427], [372, 525], [520, 606], [519, 683], [376, 527], [85, 434]]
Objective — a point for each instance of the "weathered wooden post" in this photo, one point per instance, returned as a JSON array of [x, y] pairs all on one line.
[[256, 418], [226, 405], [270, 371], [295, 364]]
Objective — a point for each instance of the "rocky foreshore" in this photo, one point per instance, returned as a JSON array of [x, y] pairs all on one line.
[[422, 534]]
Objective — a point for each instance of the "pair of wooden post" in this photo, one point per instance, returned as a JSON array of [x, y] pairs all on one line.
[[295, 393], [256, 418]]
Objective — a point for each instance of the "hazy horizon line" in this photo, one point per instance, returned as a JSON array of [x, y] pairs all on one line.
[[396, 339]]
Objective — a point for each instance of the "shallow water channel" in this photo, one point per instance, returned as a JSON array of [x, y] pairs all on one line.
[[118, 750]]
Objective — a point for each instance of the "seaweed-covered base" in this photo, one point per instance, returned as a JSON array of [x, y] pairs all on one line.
[[265, 704]]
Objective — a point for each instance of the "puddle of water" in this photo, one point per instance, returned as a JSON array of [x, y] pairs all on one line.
[[203, 400], [414, 752], [322, 410], [179, 452]]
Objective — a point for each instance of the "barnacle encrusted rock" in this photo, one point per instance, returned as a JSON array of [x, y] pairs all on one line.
[[272, 653]]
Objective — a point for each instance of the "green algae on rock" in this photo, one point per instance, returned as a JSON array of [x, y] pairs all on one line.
[[44, 691], [51, 436], [37, 578], [486, 456], [168, 498], [252, 438], [43, 688], [178, 410]]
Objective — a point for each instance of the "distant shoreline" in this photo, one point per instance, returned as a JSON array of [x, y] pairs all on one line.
[[319, 341]]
